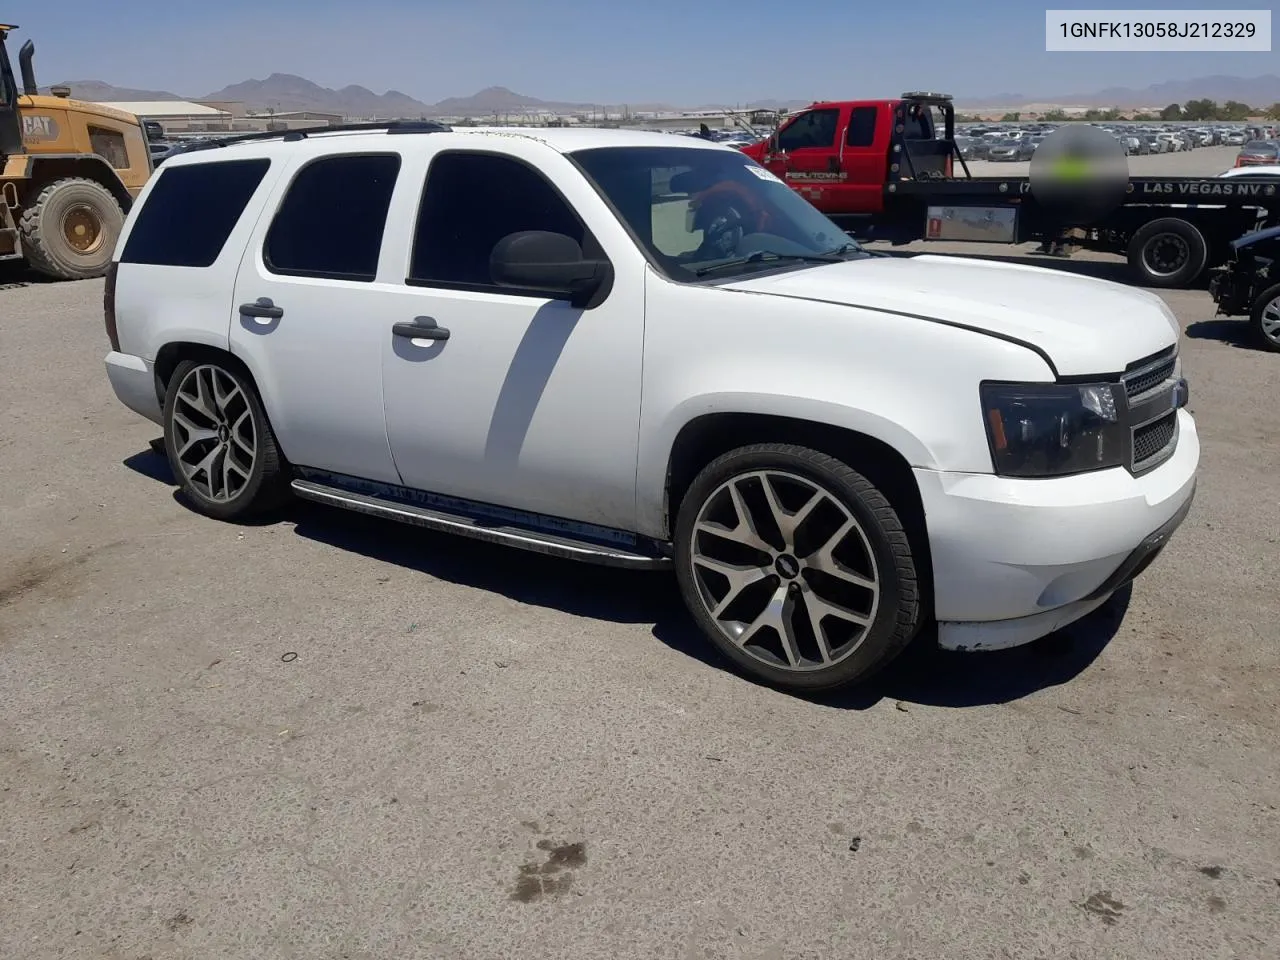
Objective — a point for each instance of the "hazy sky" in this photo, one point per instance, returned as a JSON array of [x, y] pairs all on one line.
[[680, 51]]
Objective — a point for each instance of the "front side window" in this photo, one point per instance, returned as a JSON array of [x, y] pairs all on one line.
[[470, 202], [817, 128], [703, 213], [331, 220]]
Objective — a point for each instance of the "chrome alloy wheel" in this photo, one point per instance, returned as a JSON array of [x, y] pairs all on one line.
[[1269, 321], [214, 438], [784, 570]]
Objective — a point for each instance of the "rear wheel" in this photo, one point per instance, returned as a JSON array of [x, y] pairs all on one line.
[[219, 444], [69, 231], [796, 567], [1168, 253], [1266, 319]]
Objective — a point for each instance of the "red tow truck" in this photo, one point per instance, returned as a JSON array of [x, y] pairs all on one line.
[[886, 170]]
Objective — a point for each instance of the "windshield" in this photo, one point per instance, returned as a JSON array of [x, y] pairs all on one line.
[[696, 211]]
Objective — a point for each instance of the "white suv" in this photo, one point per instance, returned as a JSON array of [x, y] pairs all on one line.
[[647, 351]]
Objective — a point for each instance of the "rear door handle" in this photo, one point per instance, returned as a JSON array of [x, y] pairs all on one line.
[[422, 328], [262, 308]]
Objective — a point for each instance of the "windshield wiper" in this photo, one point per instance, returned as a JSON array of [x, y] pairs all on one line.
[[845, 248], [761, 256]]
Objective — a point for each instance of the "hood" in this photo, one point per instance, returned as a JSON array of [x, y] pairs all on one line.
[[1249, 239], [1085, 326]]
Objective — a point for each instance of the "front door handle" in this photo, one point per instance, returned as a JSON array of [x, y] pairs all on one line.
[[262, 308], [422, 328]]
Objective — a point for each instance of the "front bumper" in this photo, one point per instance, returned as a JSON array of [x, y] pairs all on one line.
[[1232, 292], [1014, 560], [134, 381]]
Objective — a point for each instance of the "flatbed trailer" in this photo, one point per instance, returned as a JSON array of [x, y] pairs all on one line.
[[886, 170]]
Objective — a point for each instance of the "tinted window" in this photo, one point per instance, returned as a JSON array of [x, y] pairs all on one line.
[[862, 127], [473, 200], [817, 128], [190, 212], [331, 220]]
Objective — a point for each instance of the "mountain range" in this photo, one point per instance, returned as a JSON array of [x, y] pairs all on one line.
[[286, 93], [282, 92], [1255, 91]]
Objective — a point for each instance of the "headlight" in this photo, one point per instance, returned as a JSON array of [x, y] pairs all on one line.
[[1052, 430]]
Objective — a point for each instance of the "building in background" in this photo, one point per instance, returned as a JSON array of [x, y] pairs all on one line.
[[190, 118]]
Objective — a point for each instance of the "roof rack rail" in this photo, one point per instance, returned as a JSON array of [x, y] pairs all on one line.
[[301, 133]]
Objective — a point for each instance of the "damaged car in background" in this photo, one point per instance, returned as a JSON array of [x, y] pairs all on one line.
[[1249, 286]]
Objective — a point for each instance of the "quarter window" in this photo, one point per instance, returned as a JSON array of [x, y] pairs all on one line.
[[190, 211], [331, 220], [470, 202]]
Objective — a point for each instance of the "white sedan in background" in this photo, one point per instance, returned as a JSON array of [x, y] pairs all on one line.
[[1261, 170]]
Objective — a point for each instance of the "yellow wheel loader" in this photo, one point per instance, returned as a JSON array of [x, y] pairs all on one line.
[[69, 172]]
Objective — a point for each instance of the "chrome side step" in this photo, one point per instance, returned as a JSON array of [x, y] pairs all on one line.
[[532, 540]]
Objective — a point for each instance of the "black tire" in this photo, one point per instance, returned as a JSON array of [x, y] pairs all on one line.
[[1265, 299], [900, 610], [267, 485], [60, 209], [1150, 244]]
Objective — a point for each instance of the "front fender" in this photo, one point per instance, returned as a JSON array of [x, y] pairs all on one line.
[[907, 382], [655, 455]]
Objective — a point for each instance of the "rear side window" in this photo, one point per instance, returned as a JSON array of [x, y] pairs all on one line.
[[331, 220], [862, 127], [190, 212]]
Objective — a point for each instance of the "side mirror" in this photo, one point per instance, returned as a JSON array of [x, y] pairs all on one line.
[[552, 263]]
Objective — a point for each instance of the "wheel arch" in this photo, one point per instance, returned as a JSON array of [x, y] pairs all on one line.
[[169, 356], [889, 469], [43, 170]]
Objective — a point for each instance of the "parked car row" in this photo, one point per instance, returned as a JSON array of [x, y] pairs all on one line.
[[1013, 142]]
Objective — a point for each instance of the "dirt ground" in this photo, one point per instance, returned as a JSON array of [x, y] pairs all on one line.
[[336, 739]]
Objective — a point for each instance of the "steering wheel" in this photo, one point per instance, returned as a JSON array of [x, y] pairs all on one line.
[[723, 228]]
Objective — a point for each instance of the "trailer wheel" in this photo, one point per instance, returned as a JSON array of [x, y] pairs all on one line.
[[1168, 253], [1266, 319]]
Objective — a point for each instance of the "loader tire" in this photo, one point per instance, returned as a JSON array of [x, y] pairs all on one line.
[[69, 231]]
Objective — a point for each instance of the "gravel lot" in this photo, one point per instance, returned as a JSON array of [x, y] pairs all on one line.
[[333, 738]]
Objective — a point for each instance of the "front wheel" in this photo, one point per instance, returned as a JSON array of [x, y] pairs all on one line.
[[1266, 319], [219, 444], [796, 567]]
